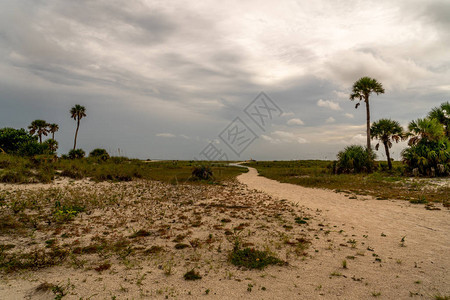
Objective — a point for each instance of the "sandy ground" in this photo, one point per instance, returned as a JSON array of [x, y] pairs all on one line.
[[421, 268], [363, 232]]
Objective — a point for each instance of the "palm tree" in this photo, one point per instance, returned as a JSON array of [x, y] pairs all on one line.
[[425, 130], [53, 128], [361, 90], [77, 113], [442, 114], [429, 148], [386, 131], [39, 127]]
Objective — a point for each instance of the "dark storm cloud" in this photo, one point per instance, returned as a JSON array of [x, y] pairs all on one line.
[[149, 70]]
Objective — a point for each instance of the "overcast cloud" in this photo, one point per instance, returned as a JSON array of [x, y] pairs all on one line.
[[160, 79]]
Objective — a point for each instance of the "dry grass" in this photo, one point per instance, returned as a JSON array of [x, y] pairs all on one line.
[[382, 185]]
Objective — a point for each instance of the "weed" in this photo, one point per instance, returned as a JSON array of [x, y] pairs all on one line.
[[192, 275], [140, 233], [168, 267], [344, 264], [300, 220], [103, 267], [420, 200], [181, 246], [318, 174], [376, 294], [202, 172], [252, 258], [154, 249]]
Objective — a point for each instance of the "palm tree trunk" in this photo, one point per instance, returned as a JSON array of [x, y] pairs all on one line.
[[40, 138], [388, 156], [366, 99], [76, 133], [53, 135]]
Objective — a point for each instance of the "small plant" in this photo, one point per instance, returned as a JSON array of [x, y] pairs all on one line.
[[168, 268], [300, 220], [181, 246], [103, 267], [402, 242], [249, 287], [252, 258], [344, 264], [192, 275], [202, 172], [376, 294], [64, 213], [59, 292], [140, 233], [420, 200]]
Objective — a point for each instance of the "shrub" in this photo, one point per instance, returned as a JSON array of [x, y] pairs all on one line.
[[50, 146], [355, 159], [12, 176], [428, 157], [76, 154], [13, 141], [192, 275], [45, 174], [202, 172], [101, 154], [252, 258], [31, 148]]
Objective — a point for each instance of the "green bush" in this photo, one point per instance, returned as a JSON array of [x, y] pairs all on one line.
[[202, 172], [101, 154], [31, 148], [76, 154], [50, 146], [355, 159], [13, 176], [429, 148], [252, 258], [14, 141]]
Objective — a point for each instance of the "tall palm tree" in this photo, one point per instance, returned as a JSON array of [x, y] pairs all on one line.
[[386, 131], [53, 128], [361, 90], [442, 114], [77, 113], [38, 127]]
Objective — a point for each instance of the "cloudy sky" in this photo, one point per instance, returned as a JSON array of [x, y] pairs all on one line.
[[162, 79]]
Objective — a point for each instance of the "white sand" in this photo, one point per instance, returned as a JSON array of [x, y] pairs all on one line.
[[426, 257], [377, 266]]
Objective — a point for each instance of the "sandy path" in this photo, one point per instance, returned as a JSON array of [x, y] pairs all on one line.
[[421, 267]]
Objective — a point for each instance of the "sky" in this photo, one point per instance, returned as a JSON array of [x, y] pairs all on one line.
[[163, 79]]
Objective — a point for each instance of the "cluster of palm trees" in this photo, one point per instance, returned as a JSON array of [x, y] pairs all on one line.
[[429, 146], [42, 128]]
